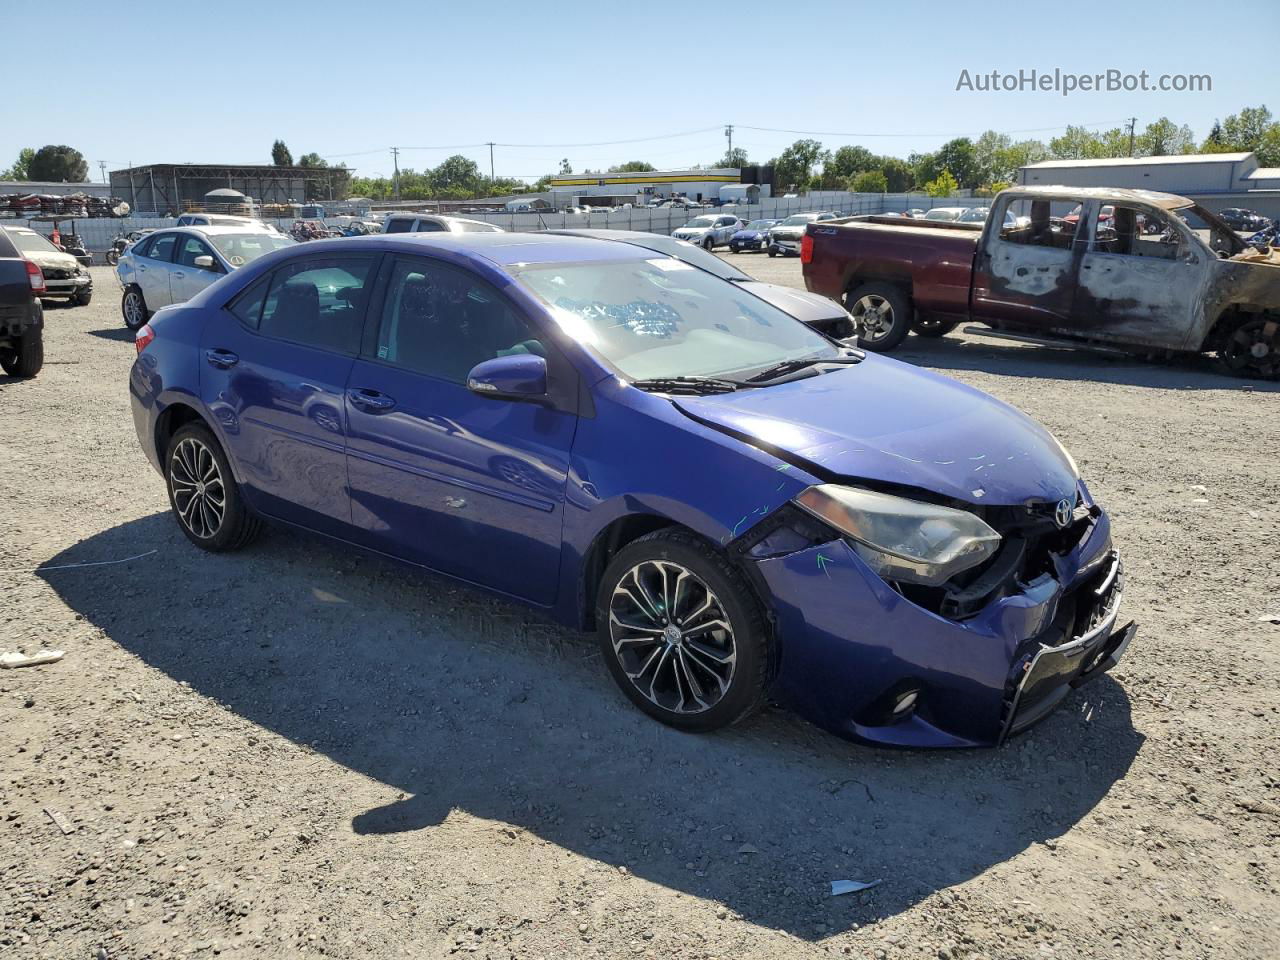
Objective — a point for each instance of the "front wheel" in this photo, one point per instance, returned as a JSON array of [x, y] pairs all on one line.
[[681, 632], [134, 308], [773, 251], [708, 244], [204, 494], [1251, 348], [27, 358], [882, 313], [82, 296]]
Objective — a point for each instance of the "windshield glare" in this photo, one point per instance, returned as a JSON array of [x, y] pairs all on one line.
[[663, 318], [689, 253], [28, 241], [240, 248], [759, 224], [700, 222], [798, 218]]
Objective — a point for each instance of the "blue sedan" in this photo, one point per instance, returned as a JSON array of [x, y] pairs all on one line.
[[740, 507], [754, 236]]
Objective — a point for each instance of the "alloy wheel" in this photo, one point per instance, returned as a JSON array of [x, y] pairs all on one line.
[[874, 316], [672, 637], [1253, 349], [134, 312], [199, 496]]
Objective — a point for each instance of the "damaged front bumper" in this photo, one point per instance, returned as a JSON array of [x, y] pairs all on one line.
[[862, 660]]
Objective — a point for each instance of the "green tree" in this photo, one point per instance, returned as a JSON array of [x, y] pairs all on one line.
[[849, 161], [792, 167], [280, 154], [565, 168], [943, 185], [1251, 129], [737, 157], [21, 169], [991, 156], [58, 164], [898, 174], [1164, 138], [633, 166], [312, 160], [457, 176], [870, 181], [957, 156]]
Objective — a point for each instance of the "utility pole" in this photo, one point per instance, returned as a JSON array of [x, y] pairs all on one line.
[[395, 179], [1132, 123], [728, 132], [491, 177], [102, 165]]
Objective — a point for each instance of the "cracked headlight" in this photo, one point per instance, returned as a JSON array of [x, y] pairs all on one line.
[[903, 539]]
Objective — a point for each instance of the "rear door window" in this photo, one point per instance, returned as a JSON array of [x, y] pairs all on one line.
[[319, 302], [399, 225]]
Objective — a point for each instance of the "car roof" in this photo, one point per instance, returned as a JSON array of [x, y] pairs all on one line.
[[506, 249], [215, 230], [1165, 201]]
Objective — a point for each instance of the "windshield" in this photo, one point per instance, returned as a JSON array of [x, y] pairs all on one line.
[[28, 241], [700, 222], [475, 226], [760, 225], [796, 219], [687, 252], [240, 248], [975, 215], [664, 318]]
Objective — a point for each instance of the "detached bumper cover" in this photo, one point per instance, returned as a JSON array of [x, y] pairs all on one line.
[[850, 645]]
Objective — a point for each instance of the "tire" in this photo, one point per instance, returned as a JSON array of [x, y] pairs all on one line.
[[933, 328], [734, 248], [133, 306], [1250, 347], [112, 257], [708, 244], [26, 359], [195, 472], [883, 314], [83, 296], [773, 252], [728, 664]]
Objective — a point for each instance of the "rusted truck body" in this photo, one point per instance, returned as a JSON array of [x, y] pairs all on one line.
[[1153, 273]]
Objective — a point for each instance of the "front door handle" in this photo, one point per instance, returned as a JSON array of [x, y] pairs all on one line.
[[371, 401], [178, 273], [222, 359]]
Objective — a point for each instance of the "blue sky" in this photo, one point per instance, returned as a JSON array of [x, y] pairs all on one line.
[[165, 82]]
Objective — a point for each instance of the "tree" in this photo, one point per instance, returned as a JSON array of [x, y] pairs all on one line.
[[850, 161], [737, 157], [456, 173], [1164, 138], [280, 154], [870, 181], [312, 160], [792, 167], [633, 166], [898, 174], [957, 156], [991, 157], [944, 185], [1251, 129], [565, 168], [57, 164], [21, 169]]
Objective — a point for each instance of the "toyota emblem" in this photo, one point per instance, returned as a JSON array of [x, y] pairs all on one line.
[[1063, 512]]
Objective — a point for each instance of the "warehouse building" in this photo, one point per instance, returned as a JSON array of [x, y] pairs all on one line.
[[1215, 180], [170, 188], [613, 189]]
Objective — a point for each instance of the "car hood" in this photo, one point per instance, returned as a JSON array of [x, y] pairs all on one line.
[[804, 306], [788, 231], [888, 421], [686, 231], [51, 259], [748, 234]]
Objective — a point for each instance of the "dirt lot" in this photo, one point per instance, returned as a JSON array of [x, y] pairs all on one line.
[[296, 749]]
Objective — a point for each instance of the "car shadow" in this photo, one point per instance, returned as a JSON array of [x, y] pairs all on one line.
[[120, 334], [1189, 372], [463, 701]]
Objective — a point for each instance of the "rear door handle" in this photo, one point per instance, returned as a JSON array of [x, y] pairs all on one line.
[[370, 401], [222, 359]]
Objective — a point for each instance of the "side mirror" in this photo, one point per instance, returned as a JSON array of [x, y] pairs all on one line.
[[521, 376], [204, 262]]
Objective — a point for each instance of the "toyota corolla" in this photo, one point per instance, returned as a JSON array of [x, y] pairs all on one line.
[[645, 450]]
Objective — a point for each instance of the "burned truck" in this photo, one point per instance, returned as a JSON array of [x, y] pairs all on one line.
[[1123, 270]]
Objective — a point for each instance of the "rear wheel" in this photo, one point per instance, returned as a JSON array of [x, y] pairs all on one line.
[[708, 244], [25, 358], [931, 327], [203, 492], [883, 314], [682, 633], [134, 308], [1251, 347], [112, 257]]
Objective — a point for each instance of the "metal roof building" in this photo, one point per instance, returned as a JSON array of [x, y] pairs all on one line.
[[1217, 180], [173, 187], [697, 184]]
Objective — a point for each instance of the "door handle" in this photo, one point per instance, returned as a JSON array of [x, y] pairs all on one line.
[[222, 359], [178, 273], [370, 401]]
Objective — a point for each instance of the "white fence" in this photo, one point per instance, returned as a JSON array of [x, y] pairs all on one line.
[[98, 233]]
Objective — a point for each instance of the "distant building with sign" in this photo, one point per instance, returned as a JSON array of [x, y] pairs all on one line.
[[613, 189]]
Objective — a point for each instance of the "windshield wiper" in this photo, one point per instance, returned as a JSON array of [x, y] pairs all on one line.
[[790, 366], [692, 385]]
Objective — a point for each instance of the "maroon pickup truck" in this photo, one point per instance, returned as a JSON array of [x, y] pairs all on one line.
[[1153, 273]]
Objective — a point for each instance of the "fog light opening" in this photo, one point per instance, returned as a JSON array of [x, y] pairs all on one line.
[[905, 703]]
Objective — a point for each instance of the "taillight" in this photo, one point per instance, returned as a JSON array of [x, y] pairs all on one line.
[[806, 249], [143, 337], [36, 276]]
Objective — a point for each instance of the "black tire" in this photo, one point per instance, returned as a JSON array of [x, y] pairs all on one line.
[[734, 248], [1250, 347], [730, 698], [773, 251], [708, 244], [190, 451], [112, 257], [893, 315], [26, 359], [929, 327], [133, 307], [83, 296]]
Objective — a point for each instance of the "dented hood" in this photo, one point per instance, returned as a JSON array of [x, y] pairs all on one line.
[[892, 422]]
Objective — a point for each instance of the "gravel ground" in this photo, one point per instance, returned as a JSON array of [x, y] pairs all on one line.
[[298, 749]]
